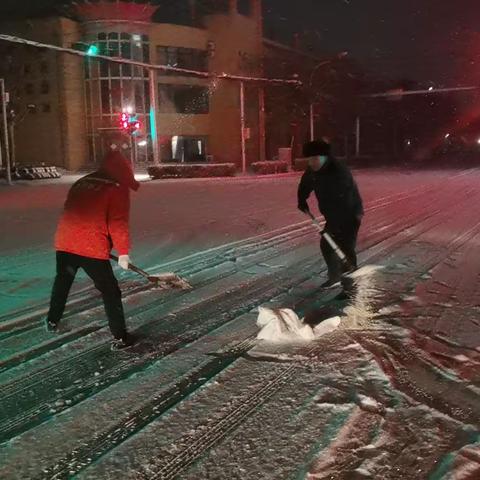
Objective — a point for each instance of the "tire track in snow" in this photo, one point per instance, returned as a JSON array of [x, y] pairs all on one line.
[[126, 369], [80, 462], [29, 316]]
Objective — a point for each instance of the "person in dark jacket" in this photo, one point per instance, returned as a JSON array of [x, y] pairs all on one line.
[[95, 220], [339, 202]]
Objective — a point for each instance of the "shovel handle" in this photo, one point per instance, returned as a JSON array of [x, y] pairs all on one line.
[[132, 267], [343, 258]]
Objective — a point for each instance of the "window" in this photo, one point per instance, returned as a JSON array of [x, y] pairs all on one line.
[[105, 94], [183, 149], [210, 7], [46, 108], [244, 7], [27, 69], [189, 58], [185, 99], [29, 89], [44, 88], [44, 67]]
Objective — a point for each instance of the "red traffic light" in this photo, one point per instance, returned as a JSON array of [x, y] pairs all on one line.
[[130, 123]]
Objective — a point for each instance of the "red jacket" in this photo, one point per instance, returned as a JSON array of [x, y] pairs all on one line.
[[96, 214]]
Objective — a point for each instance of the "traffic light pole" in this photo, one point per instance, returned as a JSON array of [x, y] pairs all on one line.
[[153, 115]]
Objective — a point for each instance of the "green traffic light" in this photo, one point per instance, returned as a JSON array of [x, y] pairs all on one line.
[[92, 50]]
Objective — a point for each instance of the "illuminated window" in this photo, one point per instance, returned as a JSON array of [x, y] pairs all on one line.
[[183, 149]]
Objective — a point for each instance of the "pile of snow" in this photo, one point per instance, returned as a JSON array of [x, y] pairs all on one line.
[[284, 325]]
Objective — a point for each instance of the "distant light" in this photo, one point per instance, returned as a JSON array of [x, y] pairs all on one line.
[[141, 177], [128, 109], [136, 38], [430, 89], [92, 50], [478, 141], [409, 142], [447, 135], [143, 143]]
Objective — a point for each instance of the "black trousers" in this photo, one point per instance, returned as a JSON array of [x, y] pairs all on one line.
[[344, 234], [100, 271]]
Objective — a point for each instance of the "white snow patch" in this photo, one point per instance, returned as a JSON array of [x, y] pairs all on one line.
[[363, 472], [369, 404], [366, 270], [284, 326], [390, 309]]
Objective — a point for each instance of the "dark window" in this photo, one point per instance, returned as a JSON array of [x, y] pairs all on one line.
[[102, 36], [43, 67], [45, 88], [188, 58], [210, 7], [46, 108], [105, 92], [244, 7], [185, 99], [29, 89], [27, 69]]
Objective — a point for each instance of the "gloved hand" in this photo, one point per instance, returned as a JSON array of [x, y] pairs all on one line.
[[123, 261], [304, 208]]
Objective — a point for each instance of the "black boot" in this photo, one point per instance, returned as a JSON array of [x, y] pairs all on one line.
[[51, 327], [330, 283], [126, 341]]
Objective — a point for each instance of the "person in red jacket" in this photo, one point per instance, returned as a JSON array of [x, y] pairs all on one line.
[[95, 221]]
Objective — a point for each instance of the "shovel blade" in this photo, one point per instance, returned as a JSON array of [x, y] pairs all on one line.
[[170, 280]]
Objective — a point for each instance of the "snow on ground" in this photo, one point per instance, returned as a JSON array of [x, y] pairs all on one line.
[[392, 393]]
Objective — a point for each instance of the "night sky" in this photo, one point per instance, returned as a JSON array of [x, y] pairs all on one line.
[[428, 40]]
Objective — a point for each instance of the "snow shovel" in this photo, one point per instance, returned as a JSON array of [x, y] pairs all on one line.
[[164, 280], [338, 251]]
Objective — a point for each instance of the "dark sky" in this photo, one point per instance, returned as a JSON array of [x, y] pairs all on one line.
[[429, 40]]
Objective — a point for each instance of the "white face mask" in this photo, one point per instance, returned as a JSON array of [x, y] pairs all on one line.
[[316, 163]]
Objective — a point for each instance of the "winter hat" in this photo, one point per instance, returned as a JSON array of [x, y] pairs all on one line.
[[118, 168], [317, 148]]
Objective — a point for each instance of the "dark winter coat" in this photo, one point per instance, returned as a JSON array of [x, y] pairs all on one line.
[[96, 214], [337, 193]]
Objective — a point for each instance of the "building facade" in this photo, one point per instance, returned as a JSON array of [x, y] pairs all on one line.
[[68, 108]]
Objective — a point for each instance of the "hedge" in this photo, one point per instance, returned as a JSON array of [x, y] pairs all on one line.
[[188, 170], [266, 168]]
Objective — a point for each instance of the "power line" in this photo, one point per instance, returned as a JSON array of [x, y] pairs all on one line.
[[182, 71]]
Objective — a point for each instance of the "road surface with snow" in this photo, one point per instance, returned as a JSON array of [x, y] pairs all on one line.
[[393, 393]]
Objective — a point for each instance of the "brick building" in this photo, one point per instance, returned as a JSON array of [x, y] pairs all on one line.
[[76, 103]]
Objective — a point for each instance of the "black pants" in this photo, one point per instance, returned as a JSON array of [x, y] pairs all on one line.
[[100, 271], [345, 236]]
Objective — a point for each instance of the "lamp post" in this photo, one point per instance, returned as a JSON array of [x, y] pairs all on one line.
[[310, 84]]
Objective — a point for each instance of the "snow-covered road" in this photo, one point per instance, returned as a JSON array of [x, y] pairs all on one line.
[[393, 394]]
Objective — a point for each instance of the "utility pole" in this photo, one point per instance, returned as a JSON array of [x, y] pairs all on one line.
[[312, 122], [357, 137], [242, 126], [3, 99], [261, 122]]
